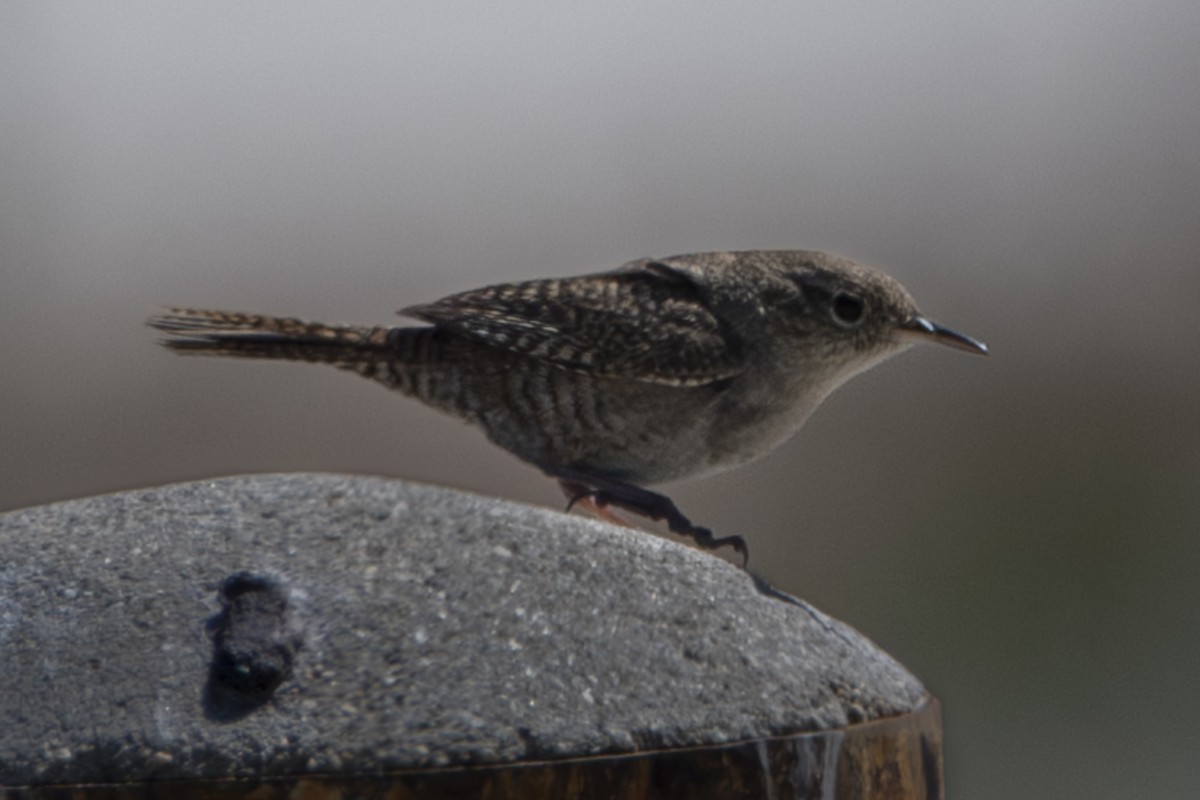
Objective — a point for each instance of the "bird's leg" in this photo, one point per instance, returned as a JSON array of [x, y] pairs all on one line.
[[586, 492], [578, 496], [601, 492]]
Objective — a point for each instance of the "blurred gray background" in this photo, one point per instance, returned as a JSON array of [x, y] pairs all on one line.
[[1021, 531]]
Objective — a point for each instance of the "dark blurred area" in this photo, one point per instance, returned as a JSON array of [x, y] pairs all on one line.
[[1021, 531]]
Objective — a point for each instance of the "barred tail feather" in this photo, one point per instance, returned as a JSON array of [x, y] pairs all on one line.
[[422, 362], [223, 333]]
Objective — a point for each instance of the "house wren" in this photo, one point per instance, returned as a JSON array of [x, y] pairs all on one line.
[[662, 369]]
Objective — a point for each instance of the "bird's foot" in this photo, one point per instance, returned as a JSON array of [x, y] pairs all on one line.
[[600, 493]]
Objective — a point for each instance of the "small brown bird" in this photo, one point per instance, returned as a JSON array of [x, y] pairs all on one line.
[[662, 369]]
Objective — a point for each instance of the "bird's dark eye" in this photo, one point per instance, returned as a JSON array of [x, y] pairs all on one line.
[[847, 309]]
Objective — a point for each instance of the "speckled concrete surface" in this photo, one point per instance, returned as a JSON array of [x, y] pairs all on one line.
[[405, 626]]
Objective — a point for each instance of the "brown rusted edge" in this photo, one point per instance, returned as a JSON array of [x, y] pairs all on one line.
[[896, 758]]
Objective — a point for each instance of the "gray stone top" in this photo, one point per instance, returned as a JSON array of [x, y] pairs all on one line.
[[277, 624]]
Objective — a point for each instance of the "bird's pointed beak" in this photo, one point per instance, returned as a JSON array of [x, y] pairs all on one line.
[[921, 329]]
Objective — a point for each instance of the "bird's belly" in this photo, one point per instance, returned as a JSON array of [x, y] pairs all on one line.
[[638, 432], [623, 430], [753, 421]]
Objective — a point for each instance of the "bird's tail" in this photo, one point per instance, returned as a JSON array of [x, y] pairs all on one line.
[[226, 333]]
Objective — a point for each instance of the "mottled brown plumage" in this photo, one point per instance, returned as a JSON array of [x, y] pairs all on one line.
[[662, 369]]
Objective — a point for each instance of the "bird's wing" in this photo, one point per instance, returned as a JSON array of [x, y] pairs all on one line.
[[643, 322]]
